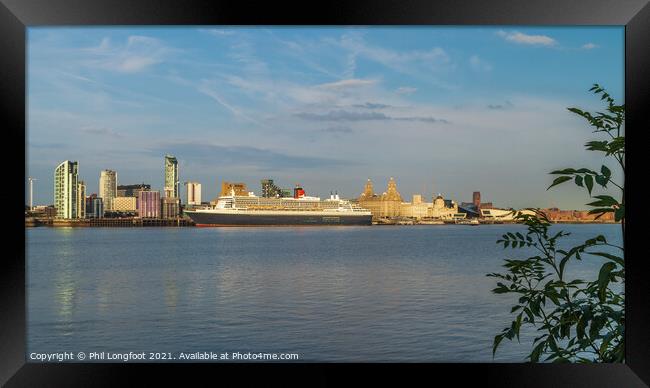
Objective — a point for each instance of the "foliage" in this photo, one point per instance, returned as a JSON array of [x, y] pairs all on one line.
[[577, 320]]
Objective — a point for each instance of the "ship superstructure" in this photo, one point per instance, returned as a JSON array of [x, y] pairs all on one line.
[[298, 210]]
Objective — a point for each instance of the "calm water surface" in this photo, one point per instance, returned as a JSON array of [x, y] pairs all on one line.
[[410, 293]]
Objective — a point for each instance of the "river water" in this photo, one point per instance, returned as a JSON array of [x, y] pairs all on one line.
[[343, 294]]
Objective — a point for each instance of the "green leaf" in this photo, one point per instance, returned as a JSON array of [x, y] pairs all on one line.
[[495, 345], [537, 351], [559, 180], [563, 172], [606, 171], [603, 279], [589, 182], [613, 258], [578, 180], [603, 200]]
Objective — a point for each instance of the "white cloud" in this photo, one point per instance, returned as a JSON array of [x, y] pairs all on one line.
[[137, 54], [348, 83], [521, 38], [408, 62], [207, 88], [479, 64], [406, 90], [589, 46], [217, 32]]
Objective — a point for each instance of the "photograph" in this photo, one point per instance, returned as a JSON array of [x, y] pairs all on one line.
[[325, 194], [358, 193]]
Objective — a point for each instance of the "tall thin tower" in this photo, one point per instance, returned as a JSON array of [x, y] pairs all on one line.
[[171, 177], [31, 192]]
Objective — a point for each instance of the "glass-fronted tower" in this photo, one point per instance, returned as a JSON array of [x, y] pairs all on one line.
[[66, 186], [171, 177], [108, 188]]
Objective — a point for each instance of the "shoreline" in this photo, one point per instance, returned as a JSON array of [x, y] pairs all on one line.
[[184, 223]]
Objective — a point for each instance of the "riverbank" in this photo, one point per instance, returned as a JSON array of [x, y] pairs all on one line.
[[183, 222], [109, 222]]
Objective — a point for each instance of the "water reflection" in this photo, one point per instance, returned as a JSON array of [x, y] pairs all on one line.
[[330, 294]]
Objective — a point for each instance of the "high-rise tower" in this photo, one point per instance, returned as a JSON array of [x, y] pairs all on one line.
[[171, 177], [66, 186], [108, 187]]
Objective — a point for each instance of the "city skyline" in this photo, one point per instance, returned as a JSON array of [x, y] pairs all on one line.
[[449, 110]]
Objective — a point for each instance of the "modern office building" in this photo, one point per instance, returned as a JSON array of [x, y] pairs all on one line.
[[171, 177], [270, 190], [149, 204], [124, 204], [132, 190], [81, 199], [66, 186], [94, 206], [193, 193], [170, 207], [108, 187]]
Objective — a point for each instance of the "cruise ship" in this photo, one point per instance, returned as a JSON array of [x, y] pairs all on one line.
[[245, 210]]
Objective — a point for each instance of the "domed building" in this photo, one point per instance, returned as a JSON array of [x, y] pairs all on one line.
[[390, 204], [442, 208], [386, 205]]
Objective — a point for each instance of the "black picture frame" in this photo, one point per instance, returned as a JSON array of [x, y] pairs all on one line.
[[17, 15]]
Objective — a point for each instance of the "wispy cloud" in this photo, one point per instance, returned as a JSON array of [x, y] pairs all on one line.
[[343, 115], [421, 63], [505, 105], [348, 83], [101, 131], [589, 46], [479, 64], [371, 105], [217, 32], [521, 38], [337, 129], [137, 54], [206, 87], [406, 90]]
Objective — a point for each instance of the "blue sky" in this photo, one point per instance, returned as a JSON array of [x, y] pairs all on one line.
[[441, 109]]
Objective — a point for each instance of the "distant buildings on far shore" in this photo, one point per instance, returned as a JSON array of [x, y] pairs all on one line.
[[71, 201], [391, 205]]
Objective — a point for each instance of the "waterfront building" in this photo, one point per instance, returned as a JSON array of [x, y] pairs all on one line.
[[193, 193], [473, 209], [171, 177], [228, 187], [386, 205], [443, 208], [132, 190], [390, 204], [108, 187], [270, 190], [170, 207], [94, 206], [124, 204], [415, 209], [81, 199], [438, 208], [66, 186], [46, 211], [149, 204], [557, 215]]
